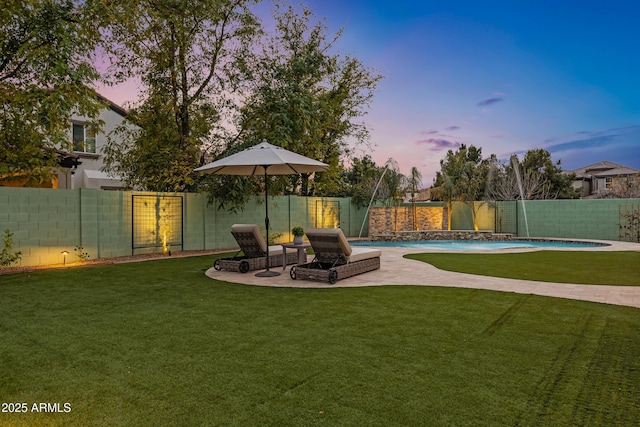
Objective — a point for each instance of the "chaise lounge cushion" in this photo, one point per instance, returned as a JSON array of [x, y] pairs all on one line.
[[259, 241], [347, 251], [359, 254], [334, 258]]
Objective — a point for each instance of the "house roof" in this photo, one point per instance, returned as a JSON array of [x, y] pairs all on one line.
[[602, 169], [112, 105], [423, 195]]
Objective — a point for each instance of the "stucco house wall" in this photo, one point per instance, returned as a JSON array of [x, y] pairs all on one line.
[[88, 173], [596, 179]]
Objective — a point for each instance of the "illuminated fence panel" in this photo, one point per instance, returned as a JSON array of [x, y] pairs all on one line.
[[327, 214], [157, 222]]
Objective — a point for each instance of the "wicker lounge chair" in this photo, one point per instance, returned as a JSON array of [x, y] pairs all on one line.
[[254, 251], [334, 258]]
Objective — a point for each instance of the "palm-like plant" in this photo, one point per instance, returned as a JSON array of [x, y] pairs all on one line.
[[414, 181]]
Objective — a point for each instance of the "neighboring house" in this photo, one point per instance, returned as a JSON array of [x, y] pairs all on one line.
[[88, 146], [422, 196], [597, 179]]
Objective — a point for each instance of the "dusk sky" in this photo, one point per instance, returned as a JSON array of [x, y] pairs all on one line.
[[506, 76]]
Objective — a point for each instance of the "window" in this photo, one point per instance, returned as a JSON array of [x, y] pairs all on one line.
[[84, 138], [607, 183]]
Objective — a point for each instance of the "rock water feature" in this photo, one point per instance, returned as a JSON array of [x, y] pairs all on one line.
[[407, 236]]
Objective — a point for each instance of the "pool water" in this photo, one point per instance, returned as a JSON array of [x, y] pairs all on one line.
[[480, 245]]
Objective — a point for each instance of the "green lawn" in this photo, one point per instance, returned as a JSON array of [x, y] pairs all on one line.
[[585, 267], [159, 344]]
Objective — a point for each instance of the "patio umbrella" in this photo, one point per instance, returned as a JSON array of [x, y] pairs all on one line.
[[264, 159]]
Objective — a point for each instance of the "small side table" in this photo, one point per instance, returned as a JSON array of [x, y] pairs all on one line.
[[302, 252]]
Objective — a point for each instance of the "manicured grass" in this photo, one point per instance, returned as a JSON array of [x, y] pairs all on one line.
[[584, 267], [158, 343]]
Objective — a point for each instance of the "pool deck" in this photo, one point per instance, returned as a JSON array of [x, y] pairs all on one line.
[[397, 270]]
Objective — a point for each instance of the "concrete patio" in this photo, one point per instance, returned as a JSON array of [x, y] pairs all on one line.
[[397, 270]]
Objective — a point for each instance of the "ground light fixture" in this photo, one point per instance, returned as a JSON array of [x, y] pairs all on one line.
[[64, 255]]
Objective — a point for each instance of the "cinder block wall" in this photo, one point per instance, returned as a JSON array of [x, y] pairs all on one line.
[[44, 222], [580, 219], [47, 222], [577, 219]]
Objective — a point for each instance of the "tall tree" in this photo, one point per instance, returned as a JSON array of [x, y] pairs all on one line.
[[462, 177], [307, 99], [45, 75], [414, 180], [395, 186], [188, 56], [362, 179], [559, 183], [540, 179]]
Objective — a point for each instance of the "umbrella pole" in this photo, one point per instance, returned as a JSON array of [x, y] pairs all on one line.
[[267, 272]]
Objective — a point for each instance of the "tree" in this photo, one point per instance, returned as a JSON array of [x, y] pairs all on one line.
[[462, 177], [361, 180], [395, 185], [539, 178], [559, 183], [306, 98], [188, 56], [45, 75], [414, 180]]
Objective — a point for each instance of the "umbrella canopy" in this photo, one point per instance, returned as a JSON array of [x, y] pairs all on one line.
[[264, 159]]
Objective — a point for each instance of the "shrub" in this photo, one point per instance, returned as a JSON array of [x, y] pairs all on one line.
[[7, 257], [82, 255]]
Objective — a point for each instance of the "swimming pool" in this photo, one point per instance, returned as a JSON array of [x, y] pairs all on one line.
[[480, 245]]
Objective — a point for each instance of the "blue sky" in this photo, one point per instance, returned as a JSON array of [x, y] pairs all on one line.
[[506, 76]]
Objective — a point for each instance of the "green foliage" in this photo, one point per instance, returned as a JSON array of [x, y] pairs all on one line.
[[273, 235], [82, 255], [45, 73], [540, 179], [361, 180], [605, 268], [539, 160], [231, 192], [395, 184], [413, 187], [187, 56], [297, 231], [306, 99], [463, 177], [149, 155], [7, 256]]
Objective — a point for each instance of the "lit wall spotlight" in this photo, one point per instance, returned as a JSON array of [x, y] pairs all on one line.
[[64, 255]]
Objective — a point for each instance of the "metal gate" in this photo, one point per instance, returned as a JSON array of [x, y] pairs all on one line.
[[156, 222]]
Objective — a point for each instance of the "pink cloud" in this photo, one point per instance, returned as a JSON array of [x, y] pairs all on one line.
[[437, 144]]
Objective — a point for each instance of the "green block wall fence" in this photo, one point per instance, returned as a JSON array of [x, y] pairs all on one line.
[[47, 222], [569, 219]]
